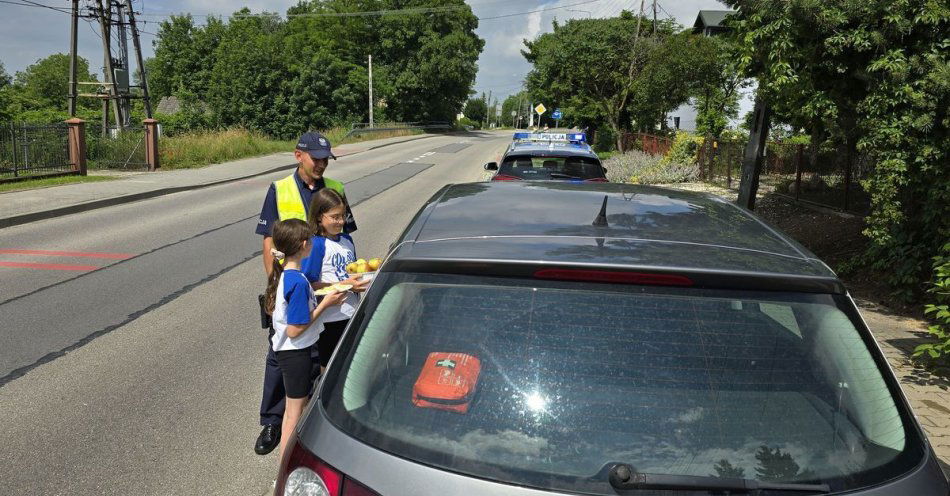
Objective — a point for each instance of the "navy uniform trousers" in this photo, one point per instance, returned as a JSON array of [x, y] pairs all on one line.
[[272, 400]]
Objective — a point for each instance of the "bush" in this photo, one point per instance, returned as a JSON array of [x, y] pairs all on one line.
[[466, 123], [940, 310], [684, 148], [604, 140], [640, 168]]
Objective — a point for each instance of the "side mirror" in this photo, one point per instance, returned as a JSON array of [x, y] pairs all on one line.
[[491, 166]]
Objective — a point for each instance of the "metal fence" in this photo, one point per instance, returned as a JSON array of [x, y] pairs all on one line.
[[647, 143], [29, 150], [123, 149], [823, 177]]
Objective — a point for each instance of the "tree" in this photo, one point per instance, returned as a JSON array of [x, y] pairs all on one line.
[[517, 103], [638, 76], [431, 58], [778, 466], [725, 469], [283, 77], [5, 79], [875, 72], [248, 76], [45, 84], [476, 109], [6, 113], [716, 95], [184, 56]]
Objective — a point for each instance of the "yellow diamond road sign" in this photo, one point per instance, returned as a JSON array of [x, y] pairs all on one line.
[[540, 109]]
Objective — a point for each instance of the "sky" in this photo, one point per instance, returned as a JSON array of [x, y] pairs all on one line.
[[29, 33]]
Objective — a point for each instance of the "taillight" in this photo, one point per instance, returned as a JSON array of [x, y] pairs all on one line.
[[505, 177], [353, 488], [597, 180], [613, 277], [303, 474]]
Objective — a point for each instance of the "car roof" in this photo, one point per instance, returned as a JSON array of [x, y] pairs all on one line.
[[648, 228], [541, 148]]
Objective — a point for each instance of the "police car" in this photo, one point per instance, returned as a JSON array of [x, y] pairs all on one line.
[[548, 156]]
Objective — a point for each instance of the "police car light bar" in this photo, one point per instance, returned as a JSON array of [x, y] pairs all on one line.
[[568, 137]]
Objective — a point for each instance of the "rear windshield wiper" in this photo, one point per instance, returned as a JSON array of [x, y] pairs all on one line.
[[558, 175], [623, 477]]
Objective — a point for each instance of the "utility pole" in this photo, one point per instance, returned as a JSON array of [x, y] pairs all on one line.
[[122, 72], [487, 104], [74, 27], [654, 18], [105, 18], [520, 106], [138, 59], [371, 125]]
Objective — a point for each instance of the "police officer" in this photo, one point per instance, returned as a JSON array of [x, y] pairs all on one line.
[[289, 198]]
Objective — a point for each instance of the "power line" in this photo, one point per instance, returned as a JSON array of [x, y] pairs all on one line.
[[535, 11], [664, 11], [28, 3], [377, 13]]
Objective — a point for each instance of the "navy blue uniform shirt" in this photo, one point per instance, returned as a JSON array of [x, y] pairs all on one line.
[[269, 215]]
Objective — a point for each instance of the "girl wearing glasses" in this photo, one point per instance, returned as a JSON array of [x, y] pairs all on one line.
[[332, 251]]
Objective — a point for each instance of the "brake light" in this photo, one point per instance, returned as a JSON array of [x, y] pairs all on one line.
[[597, 180], [613, 277], [505, 177], [303, 474]]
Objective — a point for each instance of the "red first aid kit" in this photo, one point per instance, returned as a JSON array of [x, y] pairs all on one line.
[[447, 382]]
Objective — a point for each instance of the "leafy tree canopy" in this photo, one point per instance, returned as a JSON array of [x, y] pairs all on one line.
[[476, 109], [878, 72], [45, 84], [602, 69], [310, 71]]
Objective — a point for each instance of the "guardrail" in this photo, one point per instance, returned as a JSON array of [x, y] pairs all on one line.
[[363, 127]]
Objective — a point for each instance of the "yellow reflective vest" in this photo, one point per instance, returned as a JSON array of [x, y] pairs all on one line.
[[290, 204]]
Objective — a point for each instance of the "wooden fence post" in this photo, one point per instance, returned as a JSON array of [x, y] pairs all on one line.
[[798, 171], [76, 138], [151, 143]]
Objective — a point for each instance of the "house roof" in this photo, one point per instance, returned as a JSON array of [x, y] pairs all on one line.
[[711, 18], [168, 105]]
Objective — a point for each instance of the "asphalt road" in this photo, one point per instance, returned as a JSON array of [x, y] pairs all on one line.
[[138, 371]]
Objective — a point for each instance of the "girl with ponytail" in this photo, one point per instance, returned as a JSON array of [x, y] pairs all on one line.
[[296, 312]]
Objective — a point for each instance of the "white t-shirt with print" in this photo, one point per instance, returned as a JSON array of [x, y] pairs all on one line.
[[336, 254]]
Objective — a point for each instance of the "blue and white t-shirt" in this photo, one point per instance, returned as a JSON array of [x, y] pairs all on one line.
[[327, 263], [294, 303]]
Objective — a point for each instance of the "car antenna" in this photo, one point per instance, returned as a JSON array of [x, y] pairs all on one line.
[[601, 220]]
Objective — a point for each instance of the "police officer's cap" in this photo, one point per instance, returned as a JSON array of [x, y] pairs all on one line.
[[316, 144]]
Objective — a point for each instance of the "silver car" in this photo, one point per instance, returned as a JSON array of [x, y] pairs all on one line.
[[534, 338]]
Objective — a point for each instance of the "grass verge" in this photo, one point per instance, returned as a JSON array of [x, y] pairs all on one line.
[[201, 148], [51, 181]]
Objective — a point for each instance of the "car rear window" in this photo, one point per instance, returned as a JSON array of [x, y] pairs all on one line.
[[575, 377], [528, 167]]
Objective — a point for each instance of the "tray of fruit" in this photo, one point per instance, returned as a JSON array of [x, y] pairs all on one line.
[[333, 288], [366, 269]]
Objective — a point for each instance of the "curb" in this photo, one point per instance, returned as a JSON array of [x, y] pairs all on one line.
[[145, 195]]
